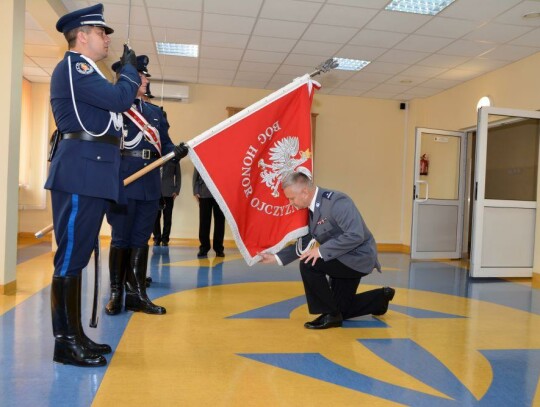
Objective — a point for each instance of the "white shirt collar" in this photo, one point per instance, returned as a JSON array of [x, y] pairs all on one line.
[[312, 204]]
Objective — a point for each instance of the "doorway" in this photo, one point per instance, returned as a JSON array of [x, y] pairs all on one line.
[[438, 194], [505, 193]]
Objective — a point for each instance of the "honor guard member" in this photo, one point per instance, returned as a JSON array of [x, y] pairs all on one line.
[[147, 139], [331, 272], [84, 174]]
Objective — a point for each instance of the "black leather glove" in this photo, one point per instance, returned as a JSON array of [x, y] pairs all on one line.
[[128, 57], [180, 151]]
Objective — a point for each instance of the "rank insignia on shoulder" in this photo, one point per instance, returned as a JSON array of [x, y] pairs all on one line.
[[328, 194], [84, 68]]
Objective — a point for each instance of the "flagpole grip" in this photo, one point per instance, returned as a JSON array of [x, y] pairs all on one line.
[[159, 162]]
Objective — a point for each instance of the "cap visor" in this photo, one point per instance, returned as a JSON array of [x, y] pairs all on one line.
[[108, 30]]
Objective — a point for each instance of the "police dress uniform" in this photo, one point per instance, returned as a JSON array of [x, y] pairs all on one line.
[[348, 253], [84, 174], [132, 223]]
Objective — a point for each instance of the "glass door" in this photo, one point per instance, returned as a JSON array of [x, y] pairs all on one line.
[[504, 209], [438, 194]]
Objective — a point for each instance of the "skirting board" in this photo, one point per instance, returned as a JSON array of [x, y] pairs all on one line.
[[9, 288]]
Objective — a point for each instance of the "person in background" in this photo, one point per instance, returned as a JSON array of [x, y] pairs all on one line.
[[84, 175], [171, 181], [207, 207], [331, 271]]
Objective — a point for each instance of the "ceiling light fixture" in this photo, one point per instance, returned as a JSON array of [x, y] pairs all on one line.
[[180, 50], [351, 64], [429, 7]]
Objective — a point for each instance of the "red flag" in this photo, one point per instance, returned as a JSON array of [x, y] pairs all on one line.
[[243, 159]]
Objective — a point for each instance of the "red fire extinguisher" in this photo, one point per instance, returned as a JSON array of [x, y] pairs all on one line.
[[424, 164]]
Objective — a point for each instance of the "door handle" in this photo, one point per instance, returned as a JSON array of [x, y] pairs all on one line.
[[419, 200]]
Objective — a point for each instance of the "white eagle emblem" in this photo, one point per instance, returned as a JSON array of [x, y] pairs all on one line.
[[285, 158]]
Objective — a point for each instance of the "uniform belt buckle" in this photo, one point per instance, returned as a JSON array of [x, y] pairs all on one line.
[[146, 154]]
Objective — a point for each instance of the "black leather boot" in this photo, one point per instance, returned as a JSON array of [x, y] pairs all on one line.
[[118, 262], [136, 297], [97, 348], [66, 319]]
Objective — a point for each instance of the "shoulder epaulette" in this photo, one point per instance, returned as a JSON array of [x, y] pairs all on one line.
[[328, 194]]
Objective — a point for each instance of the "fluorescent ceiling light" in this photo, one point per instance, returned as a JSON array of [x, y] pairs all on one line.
[[180, 50], [430, 7], [351, 64]]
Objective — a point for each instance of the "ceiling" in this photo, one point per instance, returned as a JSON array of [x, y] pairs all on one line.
[[265, 44]]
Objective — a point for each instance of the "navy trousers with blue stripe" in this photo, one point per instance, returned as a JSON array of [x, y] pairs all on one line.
[[77, 221]]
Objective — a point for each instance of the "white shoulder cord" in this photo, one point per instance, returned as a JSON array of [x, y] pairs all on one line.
[[116, 118], [309, 246], [129, 145]]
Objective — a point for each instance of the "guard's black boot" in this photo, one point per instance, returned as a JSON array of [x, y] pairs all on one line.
[[66, 319], [97, 348], [136, 297], [118, 263]]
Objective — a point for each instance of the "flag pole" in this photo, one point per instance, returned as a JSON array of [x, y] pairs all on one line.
[[129, 23]]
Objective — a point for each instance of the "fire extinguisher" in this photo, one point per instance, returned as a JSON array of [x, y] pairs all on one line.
[[424, 164]]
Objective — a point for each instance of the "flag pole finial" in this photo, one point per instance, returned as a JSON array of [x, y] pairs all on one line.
[[326, 66]]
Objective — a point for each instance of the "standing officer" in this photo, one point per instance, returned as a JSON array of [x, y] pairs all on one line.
[[331, 272], [132, 223], [207, 206], [85, 169], [171, 181]]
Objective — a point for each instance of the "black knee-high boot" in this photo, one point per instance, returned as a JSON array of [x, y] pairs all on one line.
[[136, 297], [118, 262], [66, 319], [97, 348]]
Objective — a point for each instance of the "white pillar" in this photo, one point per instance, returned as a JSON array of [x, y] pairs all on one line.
[[11, 49]]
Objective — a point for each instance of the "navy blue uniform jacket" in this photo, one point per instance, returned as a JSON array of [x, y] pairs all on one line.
[[83, 167]]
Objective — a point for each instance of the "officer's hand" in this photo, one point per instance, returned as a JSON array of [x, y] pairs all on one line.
[[311, 256], [180, 151], [128, 57], [267, 258]]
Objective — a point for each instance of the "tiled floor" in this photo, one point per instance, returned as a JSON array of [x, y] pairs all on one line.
[[233, 336]]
